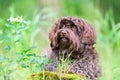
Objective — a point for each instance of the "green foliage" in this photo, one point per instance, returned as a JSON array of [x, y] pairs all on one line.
[[15, 8], [18, 55], [108, 47]]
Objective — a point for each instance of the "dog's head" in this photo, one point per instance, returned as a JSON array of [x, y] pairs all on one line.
[[71, 33]]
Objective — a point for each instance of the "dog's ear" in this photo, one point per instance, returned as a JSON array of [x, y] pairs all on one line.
[[87, 32], [74, 42], [52, 35], [53, 31]]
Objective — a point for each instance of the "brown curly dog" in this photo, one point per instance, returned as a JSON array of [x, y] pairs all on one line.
[[76, 36]]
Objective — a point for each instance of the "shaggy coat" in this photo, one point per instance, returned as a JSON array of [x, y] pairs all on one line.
[[75, 36]]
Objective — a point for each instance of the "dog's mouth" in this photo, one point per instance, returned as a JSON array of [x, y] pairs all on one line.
[[63, 42], [64, 39]]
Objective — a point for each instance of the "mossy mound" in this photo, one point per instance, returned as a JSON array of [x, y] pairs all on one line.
[[46, 75]]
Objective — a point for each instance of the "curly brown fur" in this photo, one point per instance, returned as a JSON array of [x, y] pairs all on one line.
[[76, 36]]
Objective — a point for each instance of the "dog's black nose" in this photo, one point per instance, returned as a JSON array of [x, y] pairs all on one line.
[[63, 32]]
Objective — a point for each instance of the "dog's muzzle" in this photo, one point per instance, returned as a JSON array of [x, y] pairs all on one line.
[[63, 39]]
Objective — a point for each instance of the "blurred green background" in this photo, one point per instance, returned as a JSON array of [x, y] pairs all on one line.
[[25, 24]]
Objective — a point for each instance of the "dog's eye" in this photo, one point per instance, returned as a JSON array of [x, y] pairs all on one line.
[[61, 26], [67, 25], [73, 28]]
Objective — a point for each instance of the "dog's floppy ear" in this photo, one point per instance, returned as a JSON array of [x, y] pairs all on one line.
[[53, 31], [87, 32], [52, 34]]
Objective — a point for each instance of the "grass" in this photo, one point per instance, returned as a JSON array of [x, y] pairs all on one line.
[[108, 46], [63, 64]]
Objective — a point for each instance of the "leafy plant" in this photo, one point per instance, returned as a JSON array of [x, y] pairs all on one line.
[[18, 54]]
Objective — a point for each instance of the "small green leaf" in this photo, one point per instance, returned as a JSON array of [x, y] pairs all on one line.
[[3, 58], [7, 48], [29, 49], [48, 60], [24, 65], [38, 68], [30, 55]]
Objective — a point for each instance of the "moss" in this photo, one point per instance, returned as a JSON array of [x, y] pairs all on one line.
[[54, 76]]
